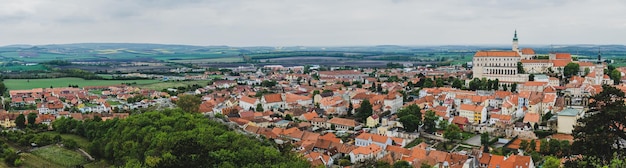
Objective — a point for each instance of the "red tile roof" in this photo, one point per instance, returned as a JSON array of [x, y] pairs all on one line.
[[273, 98], [248, 99], [531, 117], [343, 121], [563, 56], [528, 51], [496, 54], [560, 63], [374, 137]]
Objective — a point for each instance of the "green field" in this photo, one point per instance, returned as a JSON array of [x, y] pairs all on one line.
[[211, 60], [22, 84], [44, 56], [173, 84], [23, 68], [60, 156]]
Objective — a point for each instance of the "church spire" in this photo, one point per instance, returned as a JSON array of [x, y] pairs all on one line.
[[515, 46], [599, 56]]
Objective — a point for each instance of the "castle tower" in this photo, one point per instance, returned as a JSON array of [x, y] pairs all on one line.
[[515, 44]]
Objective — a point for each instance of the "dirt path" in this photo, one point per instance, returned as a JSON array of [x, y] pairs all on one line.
[[86, 154]]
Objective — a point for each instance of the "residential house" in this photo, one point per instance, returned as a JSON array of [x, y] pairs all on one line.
[[318, 159], [297, 100], [248, 103], [366, 139], [224, 84], [459, 121], [393, 102], [372, 121], [362, 153], [51, 107], [273, 101], [320, 123], [475, 113], [342, 123], [567, 119]]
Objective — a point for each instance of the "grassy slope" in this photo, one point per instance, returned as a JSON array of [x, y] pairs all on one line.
[[31, 160], [97, 164], [60, 156], [20, 84], [82, 142]]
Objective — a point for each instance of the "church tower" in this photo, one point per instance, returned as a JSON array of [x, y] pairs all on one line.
[[515, 44], [599, 70]]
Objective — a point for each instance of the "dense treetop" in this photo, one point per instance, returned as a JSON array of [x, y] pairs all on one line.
[[600, 136], [172, 138]]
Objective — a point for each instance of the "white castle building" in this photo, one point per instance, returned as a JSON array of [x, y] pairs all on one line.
[[501, 64]]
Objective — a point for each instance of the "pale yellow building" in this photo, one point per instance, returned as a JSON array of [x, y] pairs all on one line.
[[566, 120]]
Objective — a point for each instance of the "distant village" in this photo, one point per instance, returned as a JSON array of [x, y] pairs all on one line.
[[514, 96]]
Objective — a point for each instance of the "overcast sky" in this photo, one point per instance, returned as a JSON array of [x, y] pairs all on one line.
[[313, 22]]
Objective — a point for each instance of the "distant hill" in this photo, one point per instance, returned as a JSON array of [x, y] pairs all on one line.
[[168, 52]]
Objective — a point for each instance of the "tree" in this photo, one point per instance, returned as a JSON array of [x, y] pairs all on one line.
[[70, 144], [439, 82], [544, 147], [12, 158], [520, 68], [180, 139], [496, 84], [410, 122], [484, 139], [457, 84], [514, 87], [504, 87], [20, 121], [523, 145], [429, 121], [428, 83], [259, 108], [401, 164], [532, 145], [268, 83], [32, 117], [443, 125], [552, 162], [565, 148], [189, 103], [587, 71], [3, 88], [373, 88], [288, 117], [453, 132], [531, 77], [616, 76], [364, 111], [350, 108], [475, 84], [571, 69], [315, 92], [598, 134], [410, 117]]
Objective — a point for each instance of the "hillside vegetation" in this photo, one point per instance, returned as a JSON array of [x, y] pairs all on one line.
[[173, 138]]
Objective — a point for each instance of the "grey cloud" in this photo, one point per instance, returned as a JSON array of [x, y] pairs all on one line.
[[313, 22]]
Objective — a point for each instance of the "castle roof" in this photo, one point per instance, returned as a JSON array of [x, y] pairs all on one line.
[[496, 54]]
